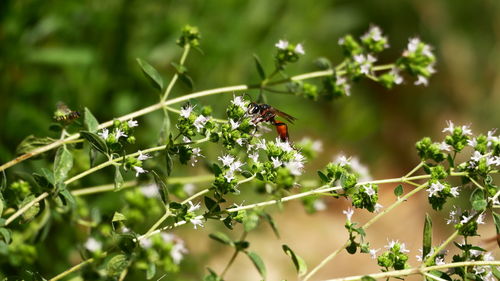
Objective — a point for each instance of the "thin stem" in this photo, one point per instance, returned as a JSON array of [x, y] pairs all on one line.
[[185, 53], [476, 183], [383, 67], [73, 269], [417, 270], [26, 207], [433, 277], [414, 169], [233, 257], [365, 226]]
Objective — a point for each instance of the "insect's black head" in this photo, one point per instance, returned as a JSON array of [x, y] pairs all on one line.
[[254, 108]]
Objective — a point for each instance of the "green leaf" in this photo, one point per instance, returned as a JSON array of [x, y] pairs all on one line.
[[33, 211], [127, 242], [250, 221], [259, 264], [95, 141], [62, 164], [367, 278], [259, 67], [117, 216], [298, 262], [2, 204], [31, 143], [496, 272], [323, 177], [45, 180], [398, 191], [163, 188], [186, 79], [66, 197], [272, 224], [151, 73], [222, 238], [212, 276], [151, 270], [90, 122], [211, 205], [496, 219], [427, 239], [439, 274], [477, 200], [168, 157], [117, 264], [118, 178], [5, 233]]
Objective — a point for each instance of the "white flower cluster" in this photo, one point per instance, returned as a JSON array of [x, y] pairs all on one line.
[[232, 164], [457, 216], [437, 187], [177, 251], [196, 152], [283, 45], [365, 63], [375, 34], [414, 46]]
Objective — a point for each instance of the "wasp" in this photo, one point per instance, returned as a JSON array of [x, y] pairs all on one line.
[[266, 113], [64, 114]]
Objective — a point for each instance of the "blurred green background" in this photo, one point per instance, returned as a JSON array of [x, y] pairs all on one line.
[[84, 53]]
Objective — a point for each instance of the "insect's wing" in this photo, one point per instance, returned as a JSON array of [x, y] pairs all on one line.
[[62, 109], [288, 117]]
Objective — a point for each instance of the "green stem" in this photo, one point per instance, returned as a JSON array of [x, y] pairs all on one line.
[[185, 53], [73, 269], [233, 257], [417, 270]]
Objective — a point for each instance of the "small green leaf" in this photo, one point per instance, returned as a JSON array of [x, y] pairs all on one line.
[[211, 204], [250, 221], [118, 178], [259, 67], [496, 219], [477, 200], [95, 141], [33, 210], [2, 204], [439, 274], [163, 189], [168, 157], [151, 270], [398, 191], [151, 73], [31, 143], [246, 174], [212, 276], [127, 242], [495, 271], [216, 169], [62, 164], [117, 216], [222, 238], [186, 79], [90, 122], [298, 262], [5, 233], [323, 177], [66, 197], [427, 239], [272, 224], [259, 264], [367, 278], [117, 264]]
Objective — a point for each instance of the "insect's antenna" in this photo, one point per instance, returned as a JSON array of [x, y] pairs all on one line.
[[249, 97]]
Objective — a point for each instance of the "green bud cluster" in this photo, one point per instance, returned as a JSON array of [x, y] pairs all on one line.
[[394, 258], [190, 36], [427, 150]]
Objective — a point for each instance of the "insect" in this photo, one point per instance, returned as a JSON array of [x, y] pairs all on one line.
[[64, 114], [266, 113]]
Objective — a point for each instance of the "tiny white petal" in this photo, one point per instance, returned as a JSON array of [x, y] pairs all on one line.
[[93, 245], [282, 44], [139, 170], [132, 123], [299, 49], [349, 212]]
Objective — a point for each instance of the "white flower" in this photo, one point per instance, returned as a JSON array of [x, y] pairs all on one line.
[[104, 134], [177, 252], [146, 243], [475, 253], [317, 146], [189, 188], [282, 44], [234, 124], [186, 139], [139, 170], [342, 160], [261, 144], [229, 175], [454, 191], [391, 244], [193, 207], [341, 41], [284, 145], [125, 229], [348, 213], [150, 190], [132, 123], [196, 222], [374, 33], [450, 127], [373, 253], [491, 161], [402, 248], [319, 205], [444, 146], [239, 101], [167, 237], [226, 160], [240, 141], [466, 130], [143, 157], [477, 156], [236, 166], [369, 190], [365, 62], [398, 79], [466, 219], [421, 80], [295, 167], [194, 156], [491, 137], [488, 257], [254, 156], [299, 49], [454, 216], [378, 207], [186, 111], [435, 188], [362, 170], [200, 122], [93, 245], [439, 261], [413, 44], [119, 133], [276, 162]]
